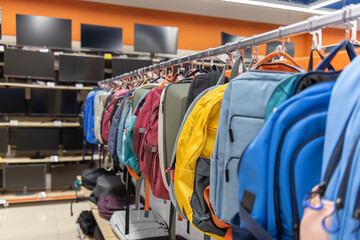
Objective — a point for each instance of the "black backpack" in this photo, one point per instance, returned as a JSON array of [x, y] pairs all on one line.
[[87, 223], [89, 176]]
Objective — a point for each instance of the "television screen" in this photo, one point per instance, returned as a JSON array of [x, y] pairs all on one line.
[[4, 139], [43, 31], [33, 176], [277, 45], [81, 69], [12, 101], [121, 65], [228, 38], [35, 139], [72, 138], [155, 39], [101, 38], [29, 64], [54, 102]]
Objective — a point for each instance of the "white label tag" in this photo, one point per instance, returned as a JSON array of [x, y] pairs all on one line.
[[79, 86], [96, 156], [223, 57], [42, 194], [14, 122], [50, 84], [57, 123], [2, 201], [54, 158], [1, 48]]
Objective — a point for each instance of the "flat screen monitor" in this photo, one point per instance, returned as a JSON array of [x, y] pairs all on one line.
[[121, 65], [35, 139], [81, 69], [64, 175], [31, 176], [54, 102], [229, 38], [43, 31], [12, 101], [101, 38], [72, 138], [29, 64], [0, 23], [155, 39], [277, 45], [4, 140]]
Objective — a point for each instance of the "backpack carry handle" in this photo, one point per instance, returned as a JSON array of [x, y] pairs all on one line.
[[349, 49], [235, 70], [311, 61], [272, 55]]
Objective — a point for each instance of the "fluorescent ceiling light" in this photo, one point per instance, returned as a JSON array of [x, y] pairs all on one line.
[[323, 4], [278, 6]]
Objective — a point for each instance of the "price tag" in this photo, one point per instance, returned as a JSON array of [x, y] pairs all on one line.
[[223, 57], [1, 48], [96, 156], [108, 56], [50, 84], [3, 201], [57, 123], [54, 158], [14, 122], [79, 86], [0, 159], [42, 195]]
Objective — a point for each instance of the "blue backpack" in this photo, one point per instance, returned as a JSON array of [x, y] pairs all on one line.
[[121, 133], [88, 118], [242, 116]]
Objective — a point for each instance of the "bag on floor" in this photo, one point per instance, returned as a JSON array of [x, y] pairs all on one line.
[[331, 207], [99, 106], [88, 118], [242, 116], [87, 223], [140, 227]]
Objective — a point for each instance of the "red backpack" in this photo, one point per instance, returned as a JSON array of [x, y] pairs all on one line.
[[145, 142], [107, 113]]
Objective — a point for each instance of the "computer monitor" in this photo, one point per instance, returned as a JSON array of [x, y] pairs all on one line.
[[29, 64], [81, 69], [63, 175], [277, 45], [43, 31], [35, 140], [12, 101], [4, 140], [229, 38], [31, 176], [155, 39], [54, 102], [72, 139], [123, 65], [101, 38]]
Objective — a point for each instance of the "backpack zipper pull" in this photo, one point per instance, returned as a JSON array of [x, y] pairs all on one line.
[[231, 135]]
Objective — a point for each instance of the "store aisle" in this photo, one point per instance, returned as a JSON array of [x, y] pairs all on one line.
[[40, 221]]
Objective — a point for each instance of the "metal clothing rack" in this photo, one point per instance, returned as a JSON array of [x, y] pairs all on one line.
[[345, 15]]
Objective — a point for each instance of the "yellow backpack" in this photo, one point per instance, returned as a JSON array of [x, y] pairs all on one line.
[[192, 168]]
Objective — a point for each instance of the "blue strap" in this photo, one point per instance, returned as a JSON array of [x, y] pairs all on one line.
[[252, 225], [325, 63]]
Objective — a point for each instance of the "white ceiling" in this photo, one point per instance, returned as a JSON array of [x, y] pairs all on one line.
[[216, 8]]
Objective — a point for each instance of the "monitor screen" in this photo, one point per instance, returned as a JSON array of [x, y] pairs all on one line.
[[101, 38], [35, 139], [72, 138], [54, 102], [0, 24], [12, 101], [43, 31], [33, 176], [4, 139], [277, 45], [155, 39], [29, 64], [228, 38], [81, 69], [121, 65]]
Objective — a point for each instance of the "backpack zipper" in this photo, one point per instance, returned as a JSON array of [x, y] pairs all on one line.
[[231, 135], [279, 226], [295, 214]]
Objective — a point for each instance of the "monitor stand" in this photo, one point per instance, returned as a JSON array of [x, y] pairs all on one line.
[[37, 156], [24, 192]]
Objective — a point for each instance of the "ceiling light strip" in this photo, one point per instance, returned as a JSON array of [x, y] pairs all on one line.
[[323, 4]]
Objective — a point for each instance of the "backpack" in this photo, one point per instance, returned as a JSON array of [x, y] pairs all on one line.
[[241, 118], [87, 223], [123, 126], [138, 93], [90, 175], [88, 118], [106, 122], [338, 188], [172, 109], [274, 172], [113, 133], [99, 106], [192, 167]]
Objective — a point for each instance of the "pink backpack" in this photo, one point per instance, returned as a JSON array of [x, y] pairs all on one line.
[[107, 113]]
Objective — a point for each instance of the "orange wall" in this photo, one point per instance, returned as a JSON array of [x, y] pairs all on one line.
[[195, 32]]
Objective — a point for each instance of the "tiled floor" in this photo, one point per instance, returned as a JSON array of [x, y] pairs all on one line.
[[40, 221]]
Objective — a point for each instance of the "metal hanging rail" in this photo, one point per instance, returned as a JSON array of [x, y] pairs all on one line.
[[347, 14]]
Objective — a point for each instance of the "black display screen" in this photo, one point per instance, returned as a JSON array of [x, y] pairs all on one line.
[[121, 65], [72, 138], [54, 102], [29, 64], [155, 39], [12, 101], [43, 31], [35, 139], [101, 38], [228, 38], [81, 69]]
